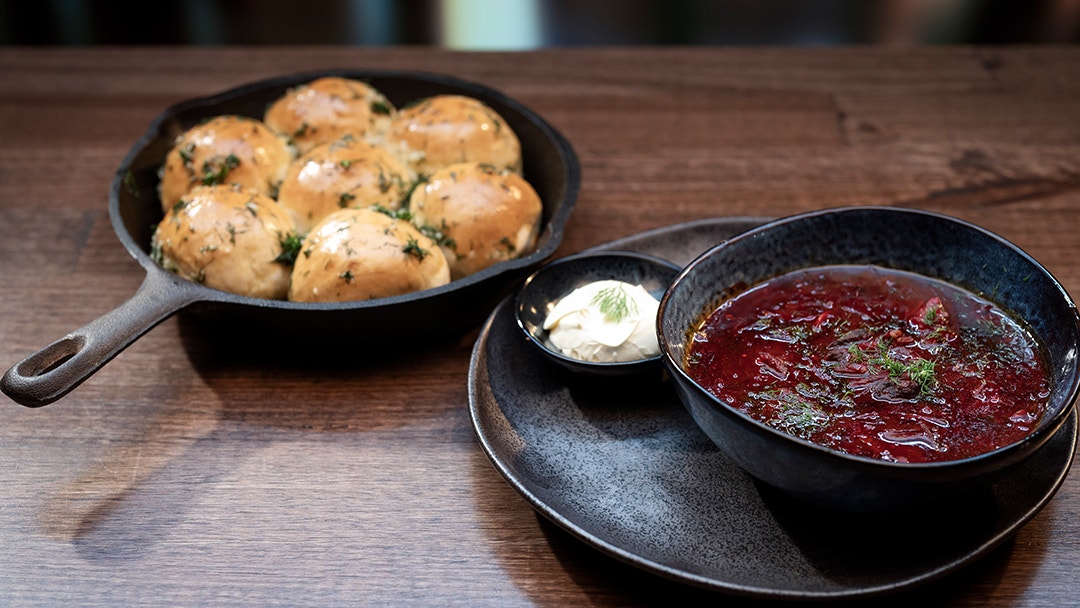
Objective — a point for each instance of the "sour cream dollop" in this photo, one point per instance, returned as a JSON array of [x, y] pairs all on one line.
[[605, 321]]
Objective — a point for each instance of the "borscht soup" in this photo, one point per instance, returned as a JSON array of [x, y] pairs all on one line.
[[873, 362]]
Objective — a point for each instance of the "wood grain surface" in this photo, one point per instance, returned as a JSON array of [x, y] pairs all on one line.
[[187, 472]]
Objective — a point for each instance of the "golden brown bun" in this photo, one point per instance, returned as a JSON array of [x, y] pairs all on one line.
[[361, 254], [328, 109], [447, 129], [228, 238], [485, 215], [346, 173], [224, 150]]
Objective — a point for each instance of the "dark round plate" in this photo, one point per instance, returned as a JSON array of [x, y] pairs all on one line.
[[624, 468]]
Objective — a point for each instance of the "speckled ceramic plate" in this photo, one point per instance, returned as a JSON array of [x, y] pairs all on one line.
[[624, 468]]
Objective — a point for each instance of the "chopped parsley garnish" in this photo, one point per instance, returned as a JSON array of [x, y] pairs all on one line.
[[216, 170], [510, 247], [438, 235], [420, 179], [186, 154], [397, 214], [345, 199], [290, 248], [380, 107], [131, 184], [347, 276], [413, 248], [156, 253]]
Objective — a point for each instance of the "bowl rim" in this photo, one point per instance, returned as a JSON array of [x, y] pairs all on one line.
[[1000, 457]]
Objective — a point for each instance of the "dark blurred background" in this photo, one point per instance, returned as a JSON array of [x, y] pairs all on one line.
[[525, 24]]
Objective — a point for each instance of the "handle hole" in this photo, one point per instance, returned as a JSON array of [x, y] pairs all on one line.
[[52, 356]]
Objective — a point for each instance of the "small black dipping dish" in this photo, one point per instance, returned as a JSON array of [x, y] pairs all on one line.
[[552, 282]]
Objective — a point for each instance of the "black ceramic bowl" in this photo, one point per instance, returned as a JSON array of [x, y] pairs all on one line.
[[552, 282], [406, 321], [925, 243]]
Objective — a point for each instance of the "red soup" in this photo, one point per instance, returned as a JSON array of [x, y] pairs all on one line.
[[873, 362]]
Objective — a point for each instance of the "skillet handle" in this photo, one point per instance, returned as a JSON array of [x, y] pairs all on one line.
[[55, 370]]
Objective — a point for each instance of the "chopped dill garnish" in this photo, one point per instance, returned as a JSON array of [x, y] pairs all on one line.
[[614, 303], [931, 314], [919, 371]]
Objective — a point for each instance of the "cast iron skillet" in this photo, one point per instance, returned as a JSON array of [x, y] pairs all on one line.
[[550, 165]]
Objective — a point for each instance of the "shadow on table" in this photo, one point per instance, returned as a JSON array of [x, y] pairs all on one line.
[[244, 389]]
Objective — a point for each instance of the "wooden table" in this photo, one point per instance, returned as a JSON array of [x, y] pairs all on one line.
[[180, 476]]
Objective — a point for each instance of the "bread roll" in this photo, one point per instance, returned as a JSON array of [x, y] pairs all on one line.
[[224, 150], [447, 129], [327, 109], [483, 215], [227, 237], [361, 254], [347, 173]]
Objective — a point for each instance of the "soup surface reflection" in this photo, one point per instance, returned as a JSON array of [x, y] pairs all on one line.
[[873, 362]]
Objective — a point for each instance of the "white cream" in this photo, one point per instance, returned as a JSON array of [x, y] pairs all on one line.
[[605, 321]]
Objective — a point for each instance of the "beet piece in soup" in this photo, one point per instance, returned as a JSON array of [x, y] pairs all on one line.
[[873, 362]]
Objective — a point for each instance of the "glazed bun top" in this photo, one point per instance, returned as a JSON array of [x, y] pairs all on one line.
[[347, 173], [483, 214], [224, 150], [362, 254], [227, 237], [448, 129], [327, 109]]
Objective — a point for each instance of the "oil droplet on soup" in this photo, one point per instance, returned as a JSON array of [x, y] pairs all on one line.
[[874, 362]]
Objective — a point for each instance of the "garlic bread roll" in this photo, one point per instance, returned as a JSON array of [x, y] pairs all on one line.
[[448, 129], [229, 238], [362, 254], [224, 150], [327, 109], [481, 215], [343, 174]]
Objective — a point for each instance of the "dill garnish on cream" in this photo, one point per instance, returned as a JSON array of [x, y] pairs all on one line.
[[605, 321]]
